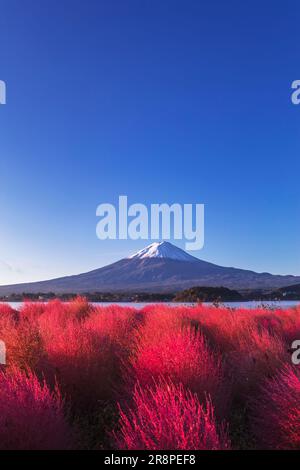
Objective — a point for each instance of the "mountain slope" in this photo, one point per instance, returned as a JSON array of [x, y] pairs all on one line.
[[158, 268]]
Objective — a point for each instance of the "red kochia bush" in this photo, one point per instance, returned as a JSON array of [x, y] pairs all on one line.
[[8, 312], [32, 310], [258, 355], [167, 417], [84, 362], [24, 345], [183, 357], [276, 420], [31, 417], [117, 323], [250, 342]]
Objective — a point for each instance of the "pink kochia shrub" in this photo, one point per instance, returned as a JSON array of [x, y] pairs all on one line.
[[257, 356], [169, 417], [250, 342], [119, 324], [83, 361], [19, 331], [180, 356], [276, 410], [8, 312], [31, 417]]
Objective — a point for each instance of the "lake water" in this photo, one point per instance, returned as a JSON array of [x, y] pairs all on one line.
[[249, 304]]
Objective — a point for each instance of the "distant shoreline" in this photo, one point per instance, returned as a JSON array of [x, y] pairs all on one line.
[[197, 294], [247, 305]]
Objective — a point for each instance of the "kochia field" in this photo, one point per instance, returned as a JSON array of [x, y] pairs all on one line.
[[79, 376]]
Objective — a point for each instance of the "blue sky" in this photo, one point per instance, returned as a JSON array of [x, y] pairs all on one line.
[[164, 101]]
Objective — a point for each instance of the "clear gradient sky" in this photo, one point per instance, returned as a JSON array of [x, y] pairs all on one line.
[[165, 101]]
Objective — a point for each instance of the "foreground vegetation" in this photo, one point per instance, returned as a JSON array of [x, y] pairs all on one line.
[[86, 377]]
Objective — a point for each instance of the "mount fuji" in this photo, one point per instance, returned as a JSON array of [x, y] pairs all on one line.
[[160, 267], [163, 250]]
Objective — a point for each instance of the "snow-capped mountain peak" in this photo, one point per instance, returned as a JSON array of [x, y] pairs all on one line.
[[163, 250]]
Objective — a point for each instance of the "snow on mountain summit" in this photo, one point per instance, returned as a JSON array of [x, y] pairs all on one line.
[[163, 250]]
